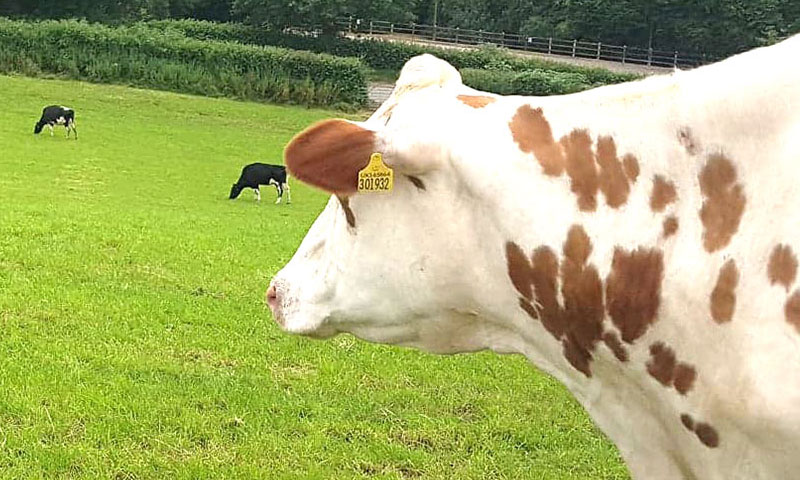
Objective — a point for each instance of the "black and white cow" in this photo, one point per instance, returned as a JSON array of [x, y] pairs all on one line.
[[257, 174], [57, 115]]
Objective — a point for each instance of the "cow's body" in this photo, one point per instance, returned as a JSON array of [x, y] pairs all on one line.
[[638, 242], [256, 174], [57, 115]]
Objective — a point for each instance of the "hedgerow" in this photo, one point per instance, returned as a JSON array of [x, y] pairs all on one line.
[[531, 82], [167, 59], [385, 55]]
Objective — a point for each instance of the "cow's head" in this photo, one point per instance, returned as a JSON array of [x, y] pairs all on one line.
[[38, 127], [236, 189], [396, 267]]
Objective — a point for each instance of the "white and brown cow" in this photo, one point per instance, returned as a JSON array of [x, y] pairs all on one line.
[[639, 242]]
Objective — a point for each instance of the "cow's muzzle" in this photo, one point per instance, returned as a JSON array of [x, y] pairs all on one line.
[[273, 299]]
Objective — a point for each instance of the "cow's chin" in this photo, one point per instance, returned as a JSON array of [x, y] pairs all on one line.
[[308, 326]]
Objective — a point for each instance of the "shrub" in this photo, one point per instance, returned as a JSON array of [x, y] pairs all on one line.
[[532, 82], [384, 55], [167, 59]]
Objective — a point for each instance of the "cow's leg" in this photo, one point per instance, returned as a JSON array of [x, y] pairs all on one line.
[[50, 126], [257, 190], [280, 192], [288, 192]]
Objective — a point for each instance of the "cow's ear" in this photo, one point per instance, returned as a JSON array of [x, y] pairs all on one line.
[[329, 155]]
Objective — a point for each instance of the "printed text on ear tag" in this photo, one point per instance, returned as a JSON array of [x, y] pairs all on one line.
[[376, 176]]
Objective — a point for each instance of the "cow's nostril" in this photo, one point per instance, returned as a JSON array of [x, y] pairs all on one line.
[[272, 296], [274, 304]]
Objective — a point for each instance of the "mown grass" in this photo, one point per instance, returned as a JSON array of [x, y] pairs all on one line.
[[134, 342]]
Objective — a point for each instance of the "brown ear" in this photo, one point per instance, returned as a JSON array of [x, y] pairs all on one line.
[[329, 155]]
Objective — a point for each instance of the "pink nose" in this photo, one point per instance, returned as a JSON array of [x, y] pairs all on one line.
[[273, 300]]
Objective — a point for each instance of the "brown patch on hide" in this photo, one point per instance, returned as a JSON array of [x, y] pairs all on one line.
[[613, 342], [348, 212], [663, 194], [578, 324], [580, 166], [686, 138], [544, 279], [529, 309], [631, 166], [329, 155], [687, 421], [782, 267], [532, 133], [519, 270], [633, 290], [476, 101], [723, 297], [707, 434], [792, 310], [582, 292], [613, 182], [670, 226], [684, 378], [661, 365], [724, 202], [664, 367], [578, 246]]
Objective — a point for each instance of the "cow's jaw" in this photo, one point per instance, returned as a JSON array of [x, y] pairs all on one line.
[[377, 279]]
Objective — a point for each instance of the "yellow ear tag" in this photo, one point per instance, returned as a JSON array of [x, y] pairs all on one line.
[[376, 177]]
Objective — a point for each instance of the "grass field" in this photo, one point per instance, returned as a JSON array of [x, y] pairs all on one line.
[[134, 342]]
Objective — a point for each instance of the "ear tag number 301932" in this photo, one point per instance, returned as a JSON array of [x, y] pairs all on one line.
[[376, 177]]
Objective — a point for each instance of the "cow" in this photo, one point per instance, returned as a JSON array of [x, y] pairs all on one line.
[[257, 174], [639, 242], [56, 115]]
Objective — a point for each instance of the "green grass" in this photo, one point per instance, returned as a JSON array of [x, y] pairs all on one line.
[[134, 342]]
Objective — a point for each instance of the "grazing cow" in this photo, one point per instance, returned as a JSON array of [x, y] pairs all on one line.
[[57, 115], [257, 174], [639, 242]]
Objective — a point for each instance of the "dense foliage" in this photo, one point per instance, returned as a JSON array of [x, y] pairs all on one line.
[[712, 27], [387, 55], [532, 82], [149, 57]]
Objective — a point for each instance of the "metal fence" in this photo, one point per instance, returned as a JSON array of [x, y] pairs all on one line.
[[548, 45]]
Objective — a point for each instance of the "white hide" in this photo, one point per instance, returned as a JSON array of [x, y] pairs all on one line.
[[428, 268]]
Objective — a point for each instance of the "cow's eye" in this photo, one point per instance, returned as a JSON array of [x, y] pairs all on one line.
[[416, 181]]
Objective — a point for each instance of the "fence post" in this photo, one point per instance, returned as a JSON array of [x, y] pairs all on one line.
[[370, 27], [574, 46], [350, 24], [391, 28], [550, 45], [649, 56], [413, 26], [456, 34], [598, 50], [675, 60], [434, 33], [624, 51]]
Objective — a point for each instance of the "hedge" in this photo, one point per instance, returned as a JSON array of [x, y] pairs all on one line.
[[165, 59], [385, 55], [532, 82]]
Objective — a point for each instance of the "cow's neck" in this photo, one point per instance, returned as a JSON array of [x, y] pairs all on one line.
[[635, 374]]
